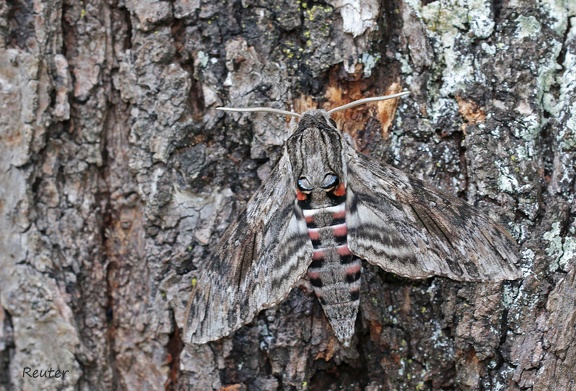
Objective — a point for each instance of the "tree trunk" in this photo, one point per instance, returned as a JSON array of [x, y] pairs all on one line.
[[118, 176]]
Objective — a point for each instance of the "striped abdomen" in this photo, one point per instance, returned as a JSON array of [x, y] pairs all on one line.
[[334, 272]]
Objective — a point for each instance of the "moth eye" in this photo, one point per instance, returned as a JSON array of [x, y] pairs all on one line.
[[330, 180], [304, 184]]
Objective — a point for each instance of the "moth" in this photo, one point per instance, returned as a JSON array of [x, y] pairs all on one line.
[[324, 209]]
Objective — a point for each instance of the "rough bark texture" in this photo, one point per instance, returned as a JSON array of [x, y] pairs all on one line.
[[117, 176]]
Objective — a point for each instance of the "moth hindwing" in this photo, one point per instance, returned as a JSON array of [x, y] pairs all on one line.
[[324, 209]]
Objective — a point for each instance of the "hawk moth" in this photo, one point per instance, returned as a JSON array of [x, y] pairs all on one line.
[[324, 208]]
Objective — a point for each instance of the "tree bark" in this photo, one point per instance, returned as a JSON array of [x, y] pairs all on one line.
[[118, 176]]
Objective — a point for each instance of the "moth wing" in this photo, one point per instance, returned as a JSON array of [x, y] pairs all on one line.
[[409, 228], [257, 262]]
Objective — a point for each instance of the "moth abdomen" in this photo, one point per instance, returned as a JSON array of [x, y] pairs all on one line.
[[334, 272]]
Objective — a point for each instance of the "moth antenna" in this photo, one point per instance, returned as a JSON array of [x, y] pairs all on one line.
[[293, 114], [367, 100], [259, 110]]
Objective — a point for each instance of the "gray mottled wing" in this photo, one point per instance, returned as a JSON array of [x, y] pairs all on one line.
[[258, 261], [409, 228]]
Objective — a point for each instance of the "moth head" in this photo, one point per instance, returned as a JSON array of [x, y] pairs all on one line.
[[315, 153]]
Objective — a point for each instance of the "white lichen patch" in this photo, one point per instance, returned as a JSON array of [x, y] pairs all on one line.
[[527, 27], [369, 62], [510, 293], [548, 68], [507, 182], [458, 73], [563, 107], [405, 66], [480, 18], [439, 340], [528, 129], [444, 16], [496, 131], [567, 135], [202, 59], [520, 231], [561, 250], [558, 12], [488, 49], [523, 152]]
